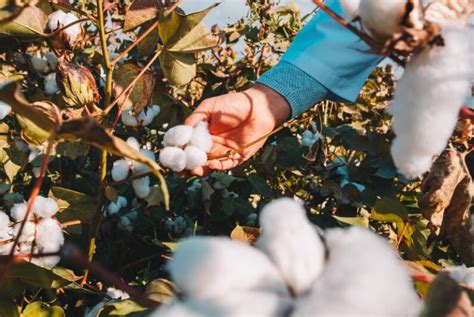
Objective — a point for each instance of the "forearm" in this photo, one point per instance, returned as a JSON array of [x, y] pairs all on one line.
[[325, 61]]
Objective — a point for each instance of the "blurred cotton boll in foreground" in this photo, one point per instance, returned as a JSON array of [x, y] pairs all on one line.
[[350, 8], [212, 266], [284, 228], [427, 101], [363, 277]]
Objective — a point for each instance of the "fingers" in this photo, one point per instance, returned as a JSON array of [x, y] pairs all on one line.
[[223, 164]]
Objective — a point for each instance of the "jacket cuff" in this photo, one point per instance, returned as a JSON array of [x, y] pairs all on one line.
[[298, 88]]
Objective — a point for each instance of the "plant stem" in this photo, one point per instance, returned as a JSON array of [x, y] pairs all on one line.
[[105, 52], [96, 222], [34, 193]]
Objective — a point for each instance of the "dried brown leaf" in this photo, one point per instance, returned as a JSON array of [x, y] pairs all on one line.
[[139, 12], [245, 234]]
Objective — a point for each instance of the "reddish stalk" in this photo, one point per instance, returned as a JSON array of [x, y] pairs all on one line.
[[34, 193]]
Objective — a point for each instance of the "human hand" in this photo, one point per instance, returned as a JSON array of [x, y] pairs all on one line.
[[237, 119]]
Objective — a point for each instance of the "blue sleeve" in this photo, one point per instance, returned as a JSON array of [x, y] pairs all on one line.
[[330, 59]]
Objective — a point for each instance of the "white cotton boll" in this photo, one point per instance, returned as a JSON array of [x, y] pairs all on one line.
[[45, 207], [56, 19], [195, 157], [128, 118], [38, 64], [427, 101], [5, 110], [156, 109], [363, 277], [28, 233], [146, 117], [52, 60], [350, 8], [49, 237], [141, 187], [139, 168], [47, 261], [240, 304], [120, 170], [133, 142], [173, 158], [113, 208], [18, 211], [116, 293], [74, 30], [50, 85], [178, 136], [4, 221], [212, 266], [382, 19], [5, 248], [292, 243], [122, 201], [201, 137]]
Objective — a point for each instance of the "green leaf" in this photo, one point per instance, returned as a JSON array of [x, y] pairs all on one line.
[[178, 68], [33, 275], [139, 12], [260, 185], [389, 210], [73, 205], [125, 307], [161, 290], [8, 307], [224, 178], [41, 309], [150, 42], [156, 196], [353, 221], [30, 23]]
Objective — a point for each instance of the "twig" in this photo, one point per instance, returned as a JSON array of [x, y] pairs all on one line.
[[130, 86], [34, 193], [135, 43], [366, 38], [71, 223]]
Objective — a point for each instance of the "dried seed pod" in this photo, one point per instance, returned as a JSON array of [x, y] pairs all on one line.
[[77, 85]]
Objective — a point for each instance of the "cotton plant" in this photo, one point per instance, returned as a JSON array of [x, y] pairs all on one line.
[[144, 118], [186, 147], [112, 294], [42, 232], [122, 168], [114, 206], [290, 272], [44, 64]]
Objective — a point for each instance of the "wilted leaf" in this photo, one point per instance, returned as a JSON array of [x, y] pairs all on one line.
[[389, 210], [111, 193], [142, 92], [445, 298], [178, 68], [446, 201], [31, 132], [31, 22], [139, 12], [245, 234], [161, 290], [41, 309]]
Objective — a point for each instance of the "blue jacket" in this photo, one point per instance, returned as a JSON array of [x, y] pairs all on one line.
[[325, 61]]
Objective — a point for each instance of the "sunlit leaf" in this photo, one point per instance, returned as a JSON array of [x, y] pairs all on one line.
[[389, 210], [178, 68], [41, 309], [245, 234], [139, 12]]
